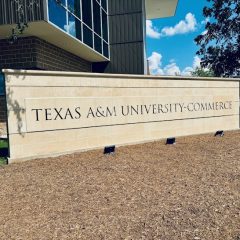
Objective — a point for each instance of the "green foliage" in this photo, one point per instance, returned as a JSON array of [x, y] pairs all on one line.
[[3, 161], [220, 45], [3, 145], [201, 72]]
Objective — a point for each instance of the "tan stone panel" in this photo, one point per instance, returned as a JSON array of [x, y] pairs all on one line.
[[113, 81], [17, 121], [96, 91], [20, 93], [48, 143]]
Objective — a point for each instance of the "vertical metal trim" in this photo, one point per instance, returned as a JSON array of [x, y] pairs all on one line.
[[145, 64], [45, 10], [66, 5], [109, 55], [81, 20], [93, 35], [101, 25]]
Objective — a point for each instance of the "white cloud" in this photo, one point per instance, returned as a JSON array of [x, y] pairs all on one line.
[[152, 31], [159, 72], [155, 62], [205, 21], [204, 32], [187, 71], [196, 62], [171, 69], [184, 26], [189, 24], [155, 66], [70, 28]]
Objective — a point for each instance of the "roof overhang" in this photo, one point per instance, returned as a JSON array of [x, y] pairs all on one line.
[[160, 8], [57, 37]]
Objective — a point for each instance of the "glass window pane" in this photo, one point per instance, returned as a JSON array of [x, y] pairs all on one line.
[[87, 36], [104, 26], [57, 14], [97, 17], [78, 29], [104, 4], [1, 84], [61, 2], [71, 27], [87, 12], [97, 43], [74, 27], [105, 50], [74, 7]]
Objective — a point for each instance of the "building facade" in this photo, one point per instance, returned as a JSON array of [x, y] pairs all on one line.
[[106, 36]]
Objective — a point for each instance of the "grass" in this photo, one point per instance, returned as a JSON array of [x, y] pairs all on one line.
[[3, 146], [3, 161]]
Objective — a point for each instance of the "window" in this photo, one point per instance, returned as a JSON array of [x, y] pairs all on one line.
[[105, 26], [57, 14], [97, 17], [74, 27], [71, 27], [78, 29], [105, 50], [87, 12], [85, 20], [2, 91], [74, 7], [61, 2], [104, 4], [87, 36], [97, 43]]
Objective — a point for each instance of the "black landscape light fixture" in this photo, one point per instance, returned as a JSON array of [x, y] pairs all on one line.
[[109, 149], [219, 133], [171, 141]]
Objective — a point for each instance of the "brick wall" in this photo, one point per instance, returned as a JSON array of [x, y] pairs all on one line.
[[35, 53], [3, 116]]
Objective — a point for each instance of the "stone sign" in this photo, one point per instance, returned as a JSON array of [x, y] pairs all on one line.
[[52, 113]]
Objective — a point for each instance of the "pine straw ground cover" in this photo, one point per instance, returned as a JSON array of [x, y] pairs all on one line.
[[150, 191]]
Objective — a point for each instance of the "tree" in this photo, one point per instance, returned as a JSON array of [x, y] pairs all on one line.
[[201, 72], [220, 43]]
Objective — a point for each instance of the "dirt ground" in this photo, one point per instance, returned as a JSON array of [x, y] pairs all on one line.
[[190, 190]]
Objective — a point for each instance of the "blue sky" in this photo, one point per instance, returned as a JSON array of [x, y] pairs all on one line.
[[170, 41]]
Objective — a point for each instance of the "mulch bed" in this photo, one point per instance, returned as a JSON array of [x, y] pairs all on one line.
[[3, 130], [190, 190]]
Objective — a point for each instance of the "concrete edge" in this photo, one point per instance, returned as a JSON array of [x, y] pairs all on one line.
[[105, 75]]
